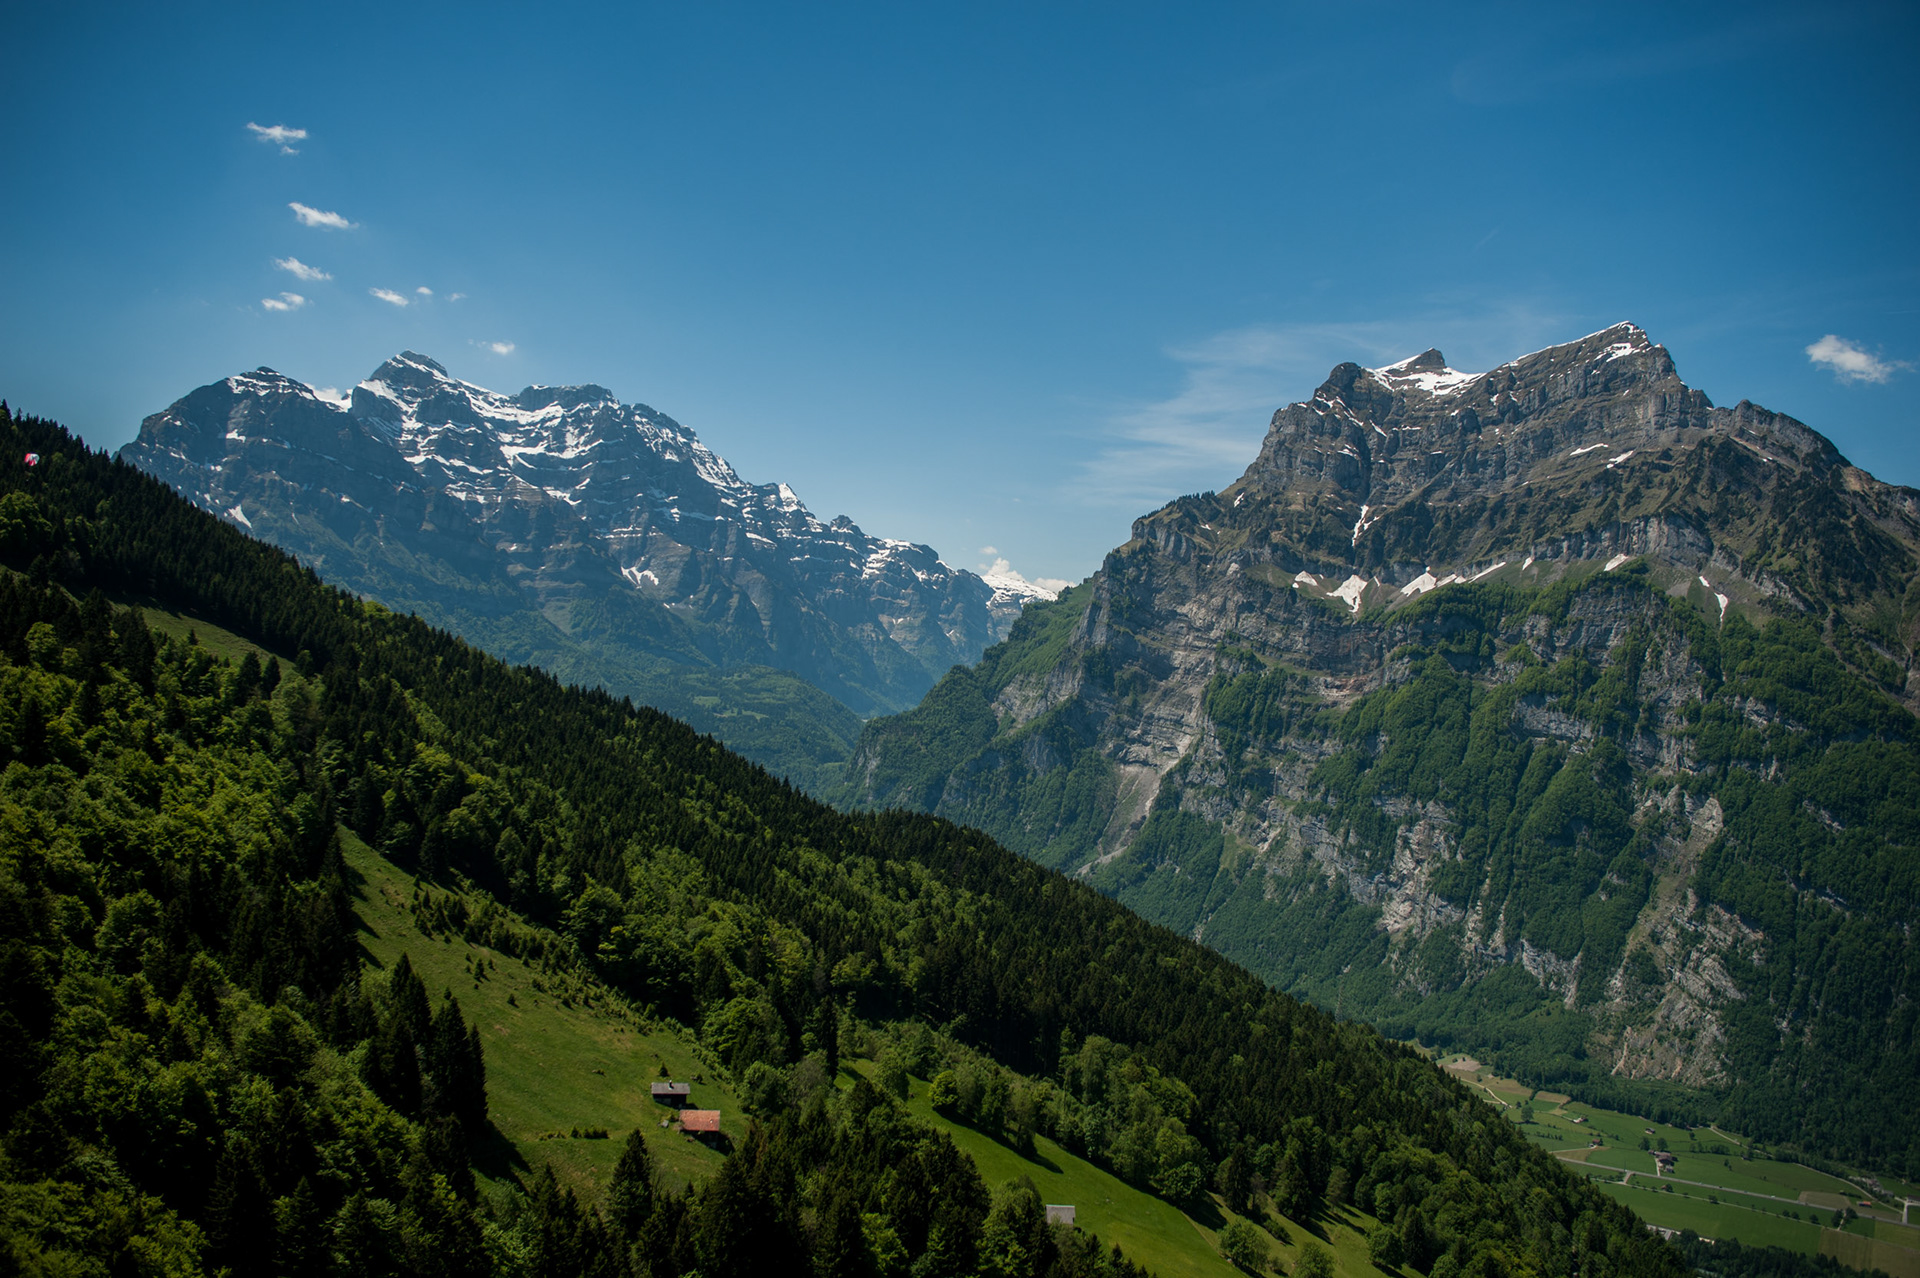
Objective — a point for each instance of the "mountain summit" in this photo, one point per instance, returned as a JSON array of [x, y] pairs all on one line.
[[600, 539], [1550, 711], [1392, 480]]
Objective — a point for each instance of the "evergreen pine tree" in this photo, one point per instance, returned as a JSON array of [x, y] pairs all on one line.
[[631, 1193], [366, 1243], [240, 1216], [301, 1234], [839, 1241], [408, 996]]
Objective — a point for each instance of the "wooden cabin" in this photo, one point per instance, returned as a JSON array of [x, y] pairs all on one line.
[[670, 1093]]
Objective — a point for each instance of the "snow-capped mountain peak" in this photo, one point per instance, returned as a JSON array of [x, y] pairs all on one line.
[[570, 491]]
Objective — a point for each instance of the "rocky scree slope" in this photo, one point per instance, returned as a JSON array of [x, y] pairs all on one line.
[[601, 540], [1550, 711]]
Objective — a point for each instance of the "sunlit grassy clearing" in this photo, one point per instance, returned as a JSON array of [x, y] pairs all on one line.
[[551, 1068]]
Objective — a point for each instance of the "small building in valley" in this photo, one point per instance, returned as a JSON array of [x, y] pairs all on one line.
[[671, 1093]]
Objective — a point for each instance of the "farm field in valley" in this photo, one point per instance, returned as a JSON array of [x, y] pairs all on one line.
[[1713, 1186]]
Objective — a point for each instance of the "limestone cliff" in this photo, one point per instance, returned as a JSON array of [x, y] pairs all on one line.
[[1529, 709]]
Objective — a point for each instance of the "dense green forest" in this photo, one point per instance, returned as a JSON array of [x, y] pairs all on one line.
[[203, 1072], [1813, 771]]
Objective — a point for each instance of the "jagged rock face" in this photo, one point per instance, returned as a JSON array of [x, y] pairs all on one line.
[[563, 504], [1258, 722], [1411, 475]]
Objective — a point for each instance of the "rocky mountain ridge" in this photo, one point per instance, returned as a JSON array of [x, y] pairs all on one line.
[[601, 539], [1525, 709]]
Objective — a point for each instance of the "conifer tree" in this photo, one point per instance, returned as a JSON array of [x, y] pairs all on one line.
[[301, 1234], [630, 1195], [240, 1215]]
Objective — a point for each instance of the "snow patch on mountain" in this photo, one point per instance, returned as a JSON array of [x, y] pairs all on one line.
[[1349, 591], [1427, 372]]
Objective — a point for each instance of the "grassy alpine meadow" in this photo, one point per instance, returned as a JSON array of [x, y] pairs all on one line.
[[1152, 1231], [1149, 1229], [563, 1057]]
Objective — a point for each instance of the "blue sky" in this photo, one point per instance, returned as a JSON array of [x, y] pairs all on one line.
[[982, 275]]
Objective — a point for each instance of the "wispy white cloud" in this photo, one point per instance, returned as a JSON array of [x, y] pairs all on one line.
[[989, 551], [1205, 434], [278, 135], [454, 297], [284, 302], [388, 295], [499, 348], [424, 291], [1850, 362], [300, 270], [310, 216]]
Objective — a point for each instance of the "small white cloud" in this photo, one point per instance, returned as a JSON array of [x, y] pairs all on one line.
[[424, 291], [499, 348], [989, 551], [454, 297], [278, 135], [300, 270], [388, 295], [310, 216], [284, 302], [1850, 363]]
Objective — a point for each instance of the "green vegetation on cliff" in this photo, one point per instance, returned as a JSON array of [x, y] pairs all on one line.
[[1748, 763]]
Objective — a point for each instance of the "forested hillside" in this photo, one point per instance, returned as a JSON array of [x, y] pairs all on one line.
[[203, 1073]]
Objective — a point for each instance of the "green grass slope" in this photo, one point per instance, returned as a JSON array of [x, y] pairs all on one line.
[[562, 1055], [1151, 1230]]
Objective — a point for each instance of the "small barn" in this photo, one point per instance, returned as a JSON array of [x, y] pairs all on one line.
[[670, 1093], [1663, 1162], [701, 1124], [1059, 1213]]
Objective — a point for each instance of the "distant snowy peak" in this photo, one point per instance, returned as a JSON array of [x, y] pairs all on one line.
[[1416, 476], [481, 445], [1428, 371], [1011, 594], [1012, 587], [557, 493]]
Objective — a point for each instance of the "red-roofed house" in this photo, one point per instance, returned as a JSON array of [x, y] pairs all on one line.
[[701, 1124]]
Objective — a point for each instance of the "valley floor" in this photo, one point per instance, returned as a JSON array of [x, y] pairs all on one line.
[[1716, 1186]]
